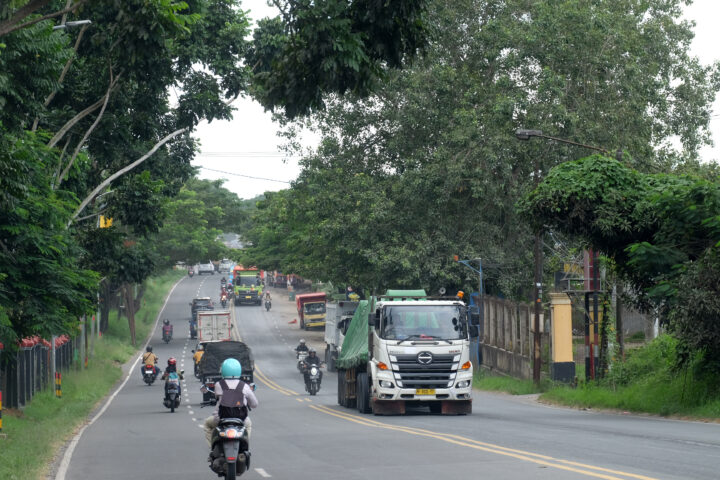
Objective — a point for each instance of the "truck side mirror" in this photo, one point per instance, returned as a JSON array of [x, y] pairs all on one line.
[[474, 331]]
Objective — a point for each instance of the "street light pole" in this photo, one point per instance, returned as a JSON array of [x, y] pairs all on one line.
[[74, 24]]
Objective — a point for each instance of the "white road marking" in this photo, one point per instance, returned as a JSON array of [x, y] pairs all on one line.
[[200, 426], [263, 473], [194, 419], [191, 413]]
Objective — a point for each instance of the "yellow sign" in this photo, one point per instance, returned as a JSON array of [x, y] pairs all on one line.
[[105, 222]]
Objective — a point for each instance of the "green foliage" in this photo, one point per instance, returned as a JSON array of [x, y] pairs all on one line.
[[650, 380], [317, 48], [660, 230], [514, 386], [35, 244]]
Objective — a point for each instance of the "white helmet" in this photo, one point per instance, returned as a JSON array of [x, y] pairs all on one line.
[[302, 341]]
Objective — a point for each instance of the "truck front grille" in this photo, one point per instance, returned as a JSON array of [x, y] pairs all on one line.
[[411, 373]]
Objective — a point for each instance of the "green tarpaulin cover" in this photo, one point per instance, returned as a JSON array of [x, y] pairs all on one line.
[[354, 350]]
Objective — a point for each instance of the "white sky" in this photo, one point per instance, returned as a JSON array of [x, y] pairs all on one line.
[[248, 145]]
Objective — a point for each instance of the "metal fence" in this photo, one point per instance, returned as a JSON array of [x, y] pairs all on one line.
[[506, 337], [30, 369]]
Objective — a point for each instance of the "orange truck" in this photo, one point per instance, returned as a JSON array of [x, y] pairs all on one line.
[[311, 308]]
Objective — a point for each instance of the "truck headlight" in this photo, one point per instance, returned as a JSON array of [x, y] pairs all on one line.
[[386, 384], [463, 384]]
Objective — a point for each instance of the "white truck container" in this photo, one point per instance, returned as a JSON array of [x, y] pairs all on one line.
[[338, 318], [214, 325]]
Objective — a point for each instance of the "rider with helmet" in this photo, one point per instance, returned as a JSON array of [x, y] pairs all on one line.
[[235, 398], [149, 358], [167, 327], [301, 346], [171, 368], [311, 359]]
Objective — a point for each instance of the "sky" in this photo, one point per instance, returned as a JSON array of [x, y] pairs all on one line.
[[246, 150]]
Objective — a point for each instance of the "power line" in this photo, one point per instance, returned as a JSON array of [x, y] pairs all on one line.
[[246, 176], [246, 154]]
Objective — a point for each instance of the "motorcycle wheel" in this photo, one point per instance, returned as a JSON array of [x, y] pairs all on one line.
[[313, 388], [231, 473]]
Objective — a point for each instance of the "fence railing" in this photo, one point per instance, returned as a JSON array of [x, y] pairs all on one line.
[[506, 337], [30, 369]]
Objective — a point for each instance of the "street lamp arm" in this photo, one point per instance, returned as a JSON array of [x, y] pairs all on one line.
[[523, 134]]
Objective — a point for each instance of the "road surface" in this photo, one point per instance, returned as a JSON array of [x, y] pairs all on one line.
[[298, 436]]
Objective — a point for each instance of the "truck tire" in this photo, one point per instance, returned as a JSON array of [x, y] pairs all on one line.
[[330, 359], [363, 393]]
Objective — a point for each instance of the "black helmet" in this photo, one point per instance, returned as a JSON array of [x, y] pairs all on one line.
[[166, 321], [149, 348]]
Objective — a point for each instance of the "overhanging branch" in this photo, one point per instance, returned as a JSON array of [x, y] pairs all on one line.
[[122, 171]]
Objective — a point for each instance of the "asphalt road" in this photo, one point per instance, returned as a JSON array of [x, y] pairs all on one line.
[[298, 436]]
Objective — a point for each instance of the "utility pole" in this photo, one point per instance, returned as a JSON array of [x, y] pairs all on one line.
[[538, 308]]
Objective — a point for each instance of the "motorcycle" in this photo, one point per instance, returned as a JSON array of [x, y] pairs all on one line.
[[191, 272], [193, 328], [149, 374], [268, 304], [230, 453], [172, 391], [313, 379], [223, 300], [301, 356], [167, 333]]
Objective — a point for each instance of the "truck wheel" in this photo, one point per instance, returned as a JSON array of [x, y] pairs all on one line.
[[363, 393]]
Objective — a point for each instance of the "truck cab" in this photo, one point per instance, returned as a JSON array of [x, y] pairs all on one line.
[[408, 350]]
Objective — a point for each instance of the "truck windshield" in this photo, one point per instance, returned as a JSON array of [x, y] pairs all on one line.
[[314, 308], [248, 281], [423, 321]]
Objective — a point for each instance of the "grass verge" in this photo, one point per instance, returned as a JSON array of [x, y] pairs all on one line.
[[649, 381], [485, 380], [48, 422]]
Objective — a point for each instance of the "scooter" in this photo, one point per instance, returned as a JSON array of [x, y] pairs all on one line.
[[191, 272], [167, 333], [268, 304], [149, 374], [301, 356], [172, 391], [223, 300], [230, 452]]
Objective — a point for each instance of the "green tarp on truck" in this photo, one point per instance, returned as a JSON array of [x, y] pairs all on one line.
[[354, 350]]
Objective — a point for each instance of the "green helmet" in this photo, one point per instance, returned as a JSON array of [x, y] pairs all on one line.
[[231, 368]]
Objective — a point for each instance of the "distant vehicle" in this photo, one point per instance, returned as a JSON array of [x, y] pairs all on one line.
[[226, 265], [206, 268], [311, 308], [214, 326], [215, 354], [200, 303]]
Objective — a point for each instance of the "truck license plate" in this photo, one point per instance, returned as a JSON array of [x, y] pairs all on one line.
[[248, 296], [425, 391]]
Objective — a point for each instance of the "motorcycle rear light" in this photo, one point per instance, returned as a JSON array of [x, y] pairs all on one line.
[[231, 459]]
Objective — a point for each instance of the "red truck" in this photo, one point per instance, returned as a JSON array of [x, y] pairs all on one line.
[[311, 308]]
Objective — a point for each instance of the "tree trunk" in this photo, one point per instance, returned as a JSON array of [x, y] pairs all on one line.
[[105, 305], [140, 295], [130, 309], [604, 330]]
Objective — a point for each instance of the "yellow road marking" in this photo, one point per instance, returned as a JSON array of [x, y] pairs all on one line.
[[487, 447], [264, 379]]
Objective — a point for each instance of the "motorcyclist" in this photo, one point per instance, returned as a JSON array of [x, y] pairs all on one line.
[[267, 296], [223, 281], [231, 391], [311, 359], [167, 328], [301, 346], [171, 368], [149, 358], [198, 354]]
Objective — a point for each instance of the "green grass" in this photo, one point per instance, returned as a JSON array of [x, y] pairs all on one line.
[[48, 422], [484, 380], [649, 381]]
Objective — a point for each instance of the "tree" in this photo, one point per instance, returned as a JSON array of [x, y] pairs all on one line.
[[661, 231]]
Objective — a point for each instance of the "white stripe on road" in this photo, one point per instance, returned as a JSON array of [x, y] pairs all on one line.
[[263, 473], [65, 462]]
